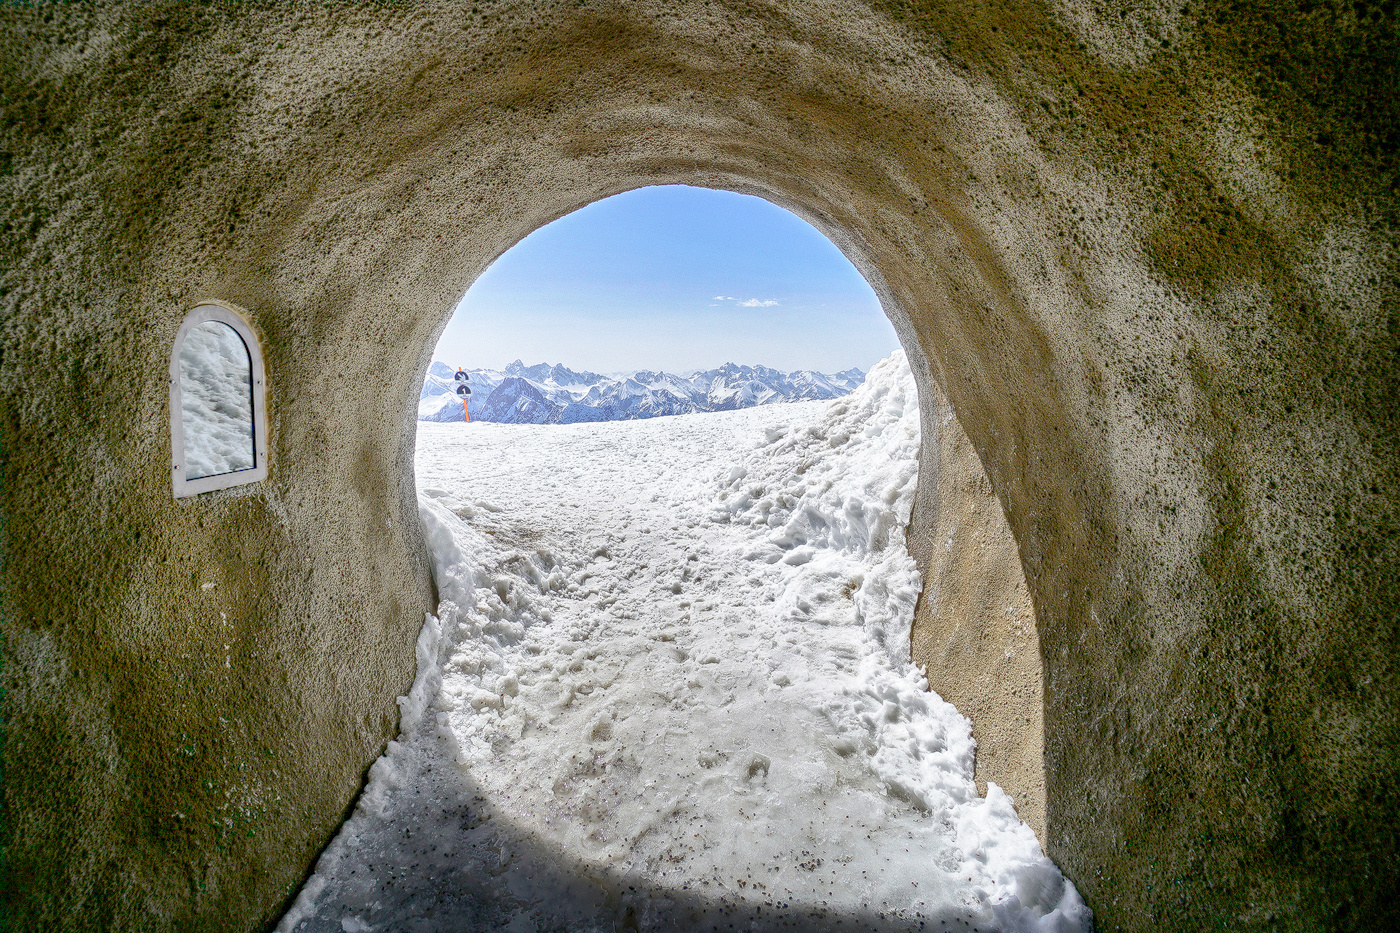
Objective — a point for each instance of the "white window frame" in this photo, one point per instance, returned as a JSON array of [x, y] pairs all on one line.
[[224, 313]]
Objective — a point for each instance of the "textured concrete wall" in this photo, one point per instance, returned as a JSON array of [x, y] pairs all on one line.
[[974, 630], [1147, 249]]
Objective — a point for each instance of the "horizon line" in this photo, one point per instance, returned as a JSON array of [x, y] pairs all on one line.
[[620, 372]]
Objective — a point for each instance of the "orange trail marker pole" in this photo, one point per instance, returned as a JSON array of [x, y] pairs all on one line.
[[466, 412]]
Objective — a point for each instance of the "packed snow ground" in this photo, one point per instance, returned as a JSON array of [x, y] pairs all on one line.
[[669, 688]]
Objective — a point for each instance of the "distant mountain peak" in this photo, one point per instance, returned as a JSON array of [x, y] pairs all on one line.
[[552, 393]]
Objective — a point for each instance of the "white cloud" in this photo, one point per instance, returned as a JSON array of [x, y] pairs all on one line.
[[750, 303]]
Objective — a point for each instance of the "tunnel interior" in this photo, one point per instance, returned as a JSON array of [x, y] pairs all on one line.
[[1148, 253], [972, 592]]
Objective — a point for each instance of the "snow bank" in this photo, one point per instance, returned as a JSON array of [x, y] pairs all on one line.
[[670, 688]]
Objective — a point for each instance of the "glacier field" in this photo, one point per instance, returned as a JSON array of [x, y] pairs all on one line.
[[668, 687]]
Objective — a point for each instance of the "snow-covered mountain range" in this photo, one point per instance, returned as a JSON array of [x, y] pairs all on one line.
[[544, 394]]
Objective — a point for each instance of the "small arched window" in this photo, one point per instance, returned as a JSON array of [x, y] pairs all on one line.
[[218, 414]]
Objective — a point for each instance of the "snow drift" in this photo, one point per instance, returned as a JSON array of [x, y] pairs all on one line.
[[668, 687]]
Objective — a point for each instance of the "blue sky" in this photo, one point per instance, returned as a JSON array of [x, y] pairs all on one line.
[[675, 278]]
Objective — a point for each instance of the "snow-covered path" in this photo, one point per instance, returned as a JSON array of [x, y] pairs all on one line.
[[670, 689]]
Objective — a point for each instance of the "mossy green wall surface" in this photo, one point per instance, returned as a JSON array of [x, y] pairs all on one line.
[[1148, 250]]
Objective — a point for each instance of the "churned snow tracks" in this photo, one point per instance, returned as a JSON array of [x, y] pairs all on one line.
[[668, 688]]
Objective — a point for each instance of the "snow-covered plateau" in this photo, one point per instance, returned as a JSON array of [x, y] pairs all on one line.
[[544, 394], [668, 688]]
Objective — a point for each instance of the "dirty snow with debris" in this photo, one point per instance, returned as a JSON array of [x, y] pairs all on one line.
[[668, 687]]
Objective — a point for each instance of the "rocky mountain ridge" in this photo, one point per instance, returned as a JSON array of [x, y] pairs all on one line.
[[545, 394]]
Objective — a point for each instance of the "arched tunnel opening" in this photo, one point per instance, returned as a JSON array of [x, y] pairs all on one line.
[[671, 680], [1147, 251]]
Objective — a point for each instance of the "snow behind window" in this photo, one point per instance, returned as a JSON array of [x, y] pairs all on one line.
[[669, 688], [216, 401]]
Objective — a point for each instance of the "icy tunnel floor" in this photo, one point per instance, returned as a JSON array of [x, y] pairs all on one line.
[[669, 688]]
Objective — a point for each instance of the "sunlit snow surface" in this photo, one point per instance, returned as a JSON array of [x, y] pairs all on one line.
[[670, 690]]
